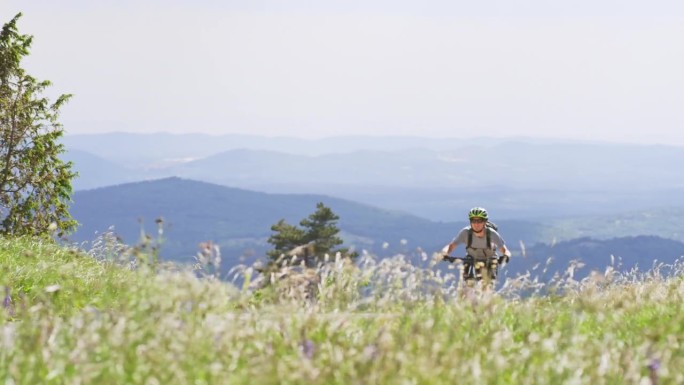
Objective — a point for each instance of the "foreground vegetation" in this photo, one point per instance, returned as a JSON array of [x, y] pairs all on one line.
[[71, 317]]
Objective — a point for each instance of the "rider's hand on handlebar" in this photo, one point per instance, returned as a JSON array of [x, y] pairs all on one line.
[[506, 256]]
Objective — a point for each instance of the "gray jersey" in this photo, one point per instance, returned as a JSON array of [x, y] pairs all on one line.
[[478, 248]]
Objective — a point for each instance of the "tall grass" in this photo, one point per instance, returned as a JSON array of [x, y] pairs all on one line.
[[73, 319]]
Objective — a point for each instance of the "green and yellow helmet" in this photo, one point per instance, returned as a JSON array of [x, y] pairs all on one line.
[[477, 212]]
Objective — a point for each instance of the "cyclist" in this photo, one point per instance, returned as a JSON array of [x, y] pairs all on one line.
[[481, 241]]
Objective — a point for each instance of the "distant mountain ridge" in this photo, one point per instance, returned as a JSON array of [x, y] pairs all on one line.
[[549, 167], [514, 178], [135, 149], [95, 171]]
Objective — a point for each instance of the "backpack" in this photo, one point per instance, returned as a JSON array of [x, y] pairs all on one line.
[[489, 226]]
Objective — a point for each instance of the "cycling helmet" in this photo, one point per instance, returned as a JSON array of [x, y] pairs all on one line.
[[477, 212]]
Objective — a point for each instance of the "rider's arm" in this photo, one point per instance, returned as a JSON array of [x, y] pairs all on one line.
[[503, 250], [450, 247], [458, 239]]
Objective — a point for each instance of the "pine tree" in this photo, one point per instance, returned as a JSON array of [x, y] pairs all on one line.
[[317, 238], [35, 184], [321, 230], [286, 238]]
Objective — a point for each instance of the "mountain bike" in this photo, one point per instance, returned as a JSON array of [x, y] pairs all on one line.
[[478, 269]]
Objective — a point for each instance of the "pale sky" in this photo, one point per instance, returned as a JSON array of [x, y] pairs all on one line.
[[597, 70]]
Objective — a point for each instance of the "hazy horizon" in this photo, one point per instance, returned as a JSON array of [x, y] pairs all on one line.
[[606, 71], [372, 136]]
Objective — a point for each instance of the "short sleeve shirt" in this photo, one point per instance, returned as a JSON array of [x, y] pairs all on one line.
[[479, 245]]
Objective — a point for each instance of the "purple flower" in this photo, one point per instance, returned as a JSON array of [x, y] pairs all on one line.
[[655, 364], [308, 348], [7, 302]]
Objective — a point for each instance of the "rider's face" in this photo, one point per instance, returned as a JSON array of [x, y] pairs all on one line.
[[477, 224]]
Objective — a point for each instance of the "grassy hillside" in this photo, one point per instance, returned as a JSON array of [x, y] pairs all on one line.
[[74, 320], [38, 273]]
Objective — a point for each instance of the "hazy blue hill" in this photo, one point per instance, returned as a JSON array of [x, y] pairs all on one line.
[[197, 211], [432, 178], [159, 150], [663, 222], [515, 180], [135, 148], [95, 171], [241, 167], [599, 167], [145, 151], [240, 220], [252, 168], [627, 252], [451, 162]]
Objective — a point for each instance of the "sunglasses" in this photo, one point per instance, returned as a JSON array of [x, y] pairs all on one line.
[[477, 221]]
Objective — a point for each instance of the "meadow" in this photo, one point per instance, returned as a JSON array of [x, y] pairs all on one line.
[[113, 316]]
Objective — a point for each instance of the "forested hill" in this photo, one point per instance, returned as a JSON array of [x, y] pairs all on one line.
[[240, 220], [624, 253]]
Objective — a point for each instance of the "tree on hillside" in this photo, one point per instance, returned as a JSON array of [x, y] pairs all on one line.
[[318, 237], [286, 238], [321, 230], [35, 184]]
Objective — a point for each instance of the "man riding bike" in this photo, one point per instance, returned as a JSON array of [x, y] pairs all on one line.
[[481, 241]]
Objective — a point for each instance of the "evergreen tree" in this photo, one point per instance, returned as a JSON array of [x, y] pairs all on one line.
[[317, 237], [321, 230], [286, 238], [35, 184]]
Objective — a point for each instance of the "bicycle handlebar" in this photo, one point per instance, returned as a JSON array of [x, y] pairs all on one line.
[[470, 258]]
